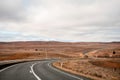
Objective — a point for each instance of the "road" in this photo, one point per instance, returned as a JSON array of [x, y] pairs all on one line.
[[36, 70]]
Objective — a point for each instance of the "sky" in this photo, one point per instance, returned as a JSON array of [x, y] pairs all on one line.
[[60, 20]]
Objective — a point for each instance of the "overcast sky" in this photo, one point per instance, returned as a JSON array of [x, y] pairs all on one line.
[[60, 20]]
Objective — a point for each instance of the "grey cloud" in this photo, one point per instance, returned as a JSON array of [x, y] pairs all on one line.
[[98, 13], [12, 10], [74, 20]]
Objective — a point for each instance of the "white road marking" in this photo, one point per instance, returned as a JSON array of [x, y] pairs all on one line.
[[65, 72], [6, 68], [32, 71]]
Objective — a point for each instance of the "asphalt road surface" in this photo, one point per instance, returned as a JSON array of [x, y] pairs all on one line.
[[36, 70]]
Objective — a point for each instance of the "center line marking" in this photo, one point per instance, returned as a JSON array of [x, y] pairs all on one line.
[[32, 71]]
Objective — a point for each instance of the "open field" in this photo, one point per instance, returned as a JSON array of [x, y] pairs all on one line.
[[97, 69], [40, 49]]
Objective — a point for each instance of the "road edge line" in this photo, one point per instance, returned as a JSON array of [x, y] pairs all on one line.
[[49, 64], [32, 70], [6, 68]]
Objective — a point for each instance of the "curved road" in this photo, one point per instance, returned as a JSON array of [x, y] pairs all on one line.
[[36, 70]]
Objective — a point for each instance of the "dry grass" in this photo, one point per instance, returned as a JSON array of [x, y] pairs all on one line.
[[21, 50], [98, 70]]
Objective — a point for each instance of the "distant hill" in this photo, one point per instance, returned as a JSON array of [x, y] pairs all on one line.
[[38, 49]]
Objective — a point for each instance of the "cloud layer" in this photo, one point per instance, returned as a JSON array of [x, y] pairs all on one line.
[[62, 20]]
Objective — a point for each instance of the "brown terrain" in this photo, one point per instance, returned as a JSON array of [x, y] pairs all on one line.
[[96, 69], [97, 60]]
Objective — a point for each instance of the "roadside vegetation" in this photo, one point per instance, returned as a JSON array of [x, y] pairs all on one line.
[[97, 69]]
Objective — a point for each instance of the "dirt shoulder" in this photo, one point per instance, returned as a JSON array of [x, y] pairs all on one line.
[[96, 69]]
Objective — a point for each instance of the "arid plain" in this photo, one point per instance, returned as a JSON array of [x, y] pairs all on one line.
[[96, 60]]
